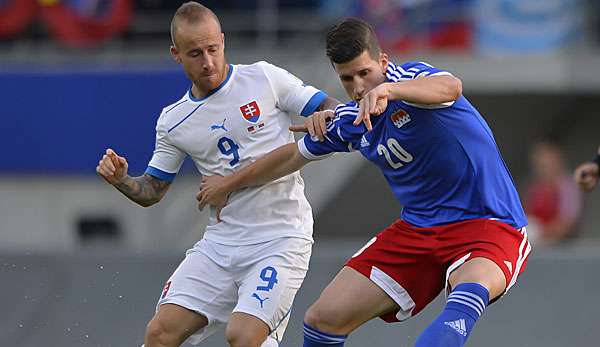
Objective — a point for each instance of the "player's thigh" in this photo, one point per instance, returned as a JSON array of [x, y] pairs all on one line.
[[244, 329], [204, 284], [175, 323], [275, 271], [483, 271], [400, 261], [349, 301], [487, 252]]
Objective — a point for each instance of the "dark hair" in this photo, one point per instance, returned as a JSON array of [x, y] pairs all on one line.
[[191, 12], [349, 39]]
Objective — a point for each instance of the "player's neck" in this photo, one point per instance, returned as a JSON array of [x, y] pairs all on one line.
[[200, 93]]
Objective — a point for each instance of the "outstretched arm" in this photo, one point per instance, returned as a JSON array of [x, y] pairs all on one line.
[[433, 90], [144, 190], [276, 164]]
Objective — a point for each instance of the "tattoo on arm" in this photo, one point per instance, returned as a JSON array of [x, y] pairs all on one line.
[[144, 190]]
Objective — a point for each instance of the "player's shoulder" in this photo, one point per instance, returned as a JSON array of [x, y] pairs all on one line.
[[255, 70], [175, 107], [411, 70], [259, 66], [413, 64], [169, 113], [272, 69]]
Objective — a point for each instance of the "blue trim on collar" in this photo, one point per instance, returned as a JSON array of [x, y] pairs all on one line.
[[314, 103], [193, 98], [160, 174]]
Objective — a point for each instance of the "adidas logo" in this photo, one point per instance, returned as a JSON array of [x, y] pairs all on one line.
[[459, 326], [364, 142]]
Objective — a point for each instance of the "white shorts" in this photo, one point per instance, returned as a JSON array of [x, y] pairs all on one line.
[[262, 280]]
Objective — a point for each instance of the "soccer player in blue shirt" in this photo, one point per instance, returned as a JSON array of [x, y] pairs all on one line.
[[462, 227]]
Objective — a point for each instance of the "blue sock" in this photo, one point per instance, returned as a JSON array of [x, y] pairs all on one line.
[[452, 327], [316, 338]]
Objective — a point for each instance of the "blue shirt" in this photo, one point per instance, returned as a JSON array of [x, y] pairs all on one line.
[[441, 161]]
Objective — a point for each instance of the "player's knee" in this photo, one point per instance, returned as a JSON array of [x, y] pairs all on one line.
[[157, 335], [482, 271], [326, 319], [238, 336]]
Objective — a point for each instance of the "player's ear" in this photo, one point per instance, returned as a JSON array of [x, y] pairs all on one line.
[[383, 61], [223, 39], [175, 54]]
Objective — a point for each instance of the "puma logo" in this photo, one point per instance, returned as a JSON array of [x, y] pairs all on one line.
[[261, 300], [222, 126]]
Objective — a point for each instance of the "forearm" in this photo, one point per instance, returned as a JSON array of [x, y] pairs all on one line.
[[329, 104], [276, 164], [429, 90], [144, 190]]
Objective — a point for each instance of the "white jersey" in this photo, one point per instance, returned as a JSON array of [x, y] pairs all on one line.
[[246, 117]]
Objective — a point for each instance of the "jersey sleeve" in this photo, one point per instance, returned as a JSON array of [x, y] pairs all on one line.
[[342, 136], [413, 70], [293, 96], [166, 159]]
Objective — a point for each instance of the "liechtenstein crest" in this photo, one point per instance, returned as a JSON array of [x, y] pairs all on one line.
[[400, 118]]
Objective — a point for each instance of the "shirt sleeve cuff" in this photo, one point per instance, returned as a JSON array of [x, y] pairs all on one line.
[[161, 175], [312, 104], [306, 153]]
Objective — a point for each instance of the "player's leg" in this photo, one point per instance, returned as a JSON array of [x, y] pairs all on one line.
[[274, 272], [196, 300], [474, 283], [476, 279], [246, 330], [349, 301], [172, 325], [482, 271], [393, 276]]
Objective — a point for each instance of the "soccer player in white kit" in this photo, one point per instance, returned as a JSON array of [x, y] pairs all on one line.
[[254, 255]]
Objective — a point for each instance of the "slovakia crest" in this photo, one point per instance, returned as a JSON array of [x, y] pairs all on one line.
[[250, 111], [400, 118]]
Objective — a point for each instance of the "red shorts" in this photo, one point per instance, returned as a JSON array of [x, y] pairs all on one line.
[[412, 265]]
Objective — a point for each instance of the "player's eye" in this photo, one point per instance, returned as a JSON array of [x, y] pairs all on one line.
[[346, 78], [364, 73]]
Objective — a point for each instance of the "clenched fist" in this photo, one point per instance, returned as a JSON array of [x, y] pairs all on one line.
[[112, 167]]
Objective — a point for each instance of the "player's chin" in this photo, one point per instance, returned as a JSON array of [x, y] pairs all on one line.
[[212, 81]]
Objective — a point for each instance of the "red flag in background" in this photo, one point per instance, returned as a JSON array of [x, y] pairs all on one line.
[[15, 16], [70, 26]]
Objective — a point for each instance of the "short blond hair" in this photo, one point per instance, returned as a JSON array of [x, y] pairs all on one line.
[[191, 12]]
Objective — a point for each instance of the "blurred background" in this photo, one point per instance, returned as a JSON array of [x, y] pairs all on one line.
[[82, 266]]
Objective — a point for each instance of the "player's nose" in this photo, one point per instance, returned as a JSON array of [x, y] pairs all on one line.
[[358, 94], [208, 64], [359, 90]]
